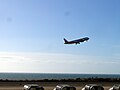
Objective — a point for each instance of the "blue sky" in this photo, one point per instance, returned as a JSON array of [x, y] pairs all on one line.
[[32, 32]]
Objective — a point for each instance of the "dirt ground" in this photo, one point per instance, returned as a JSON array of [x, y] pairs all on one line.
[[51, 85]]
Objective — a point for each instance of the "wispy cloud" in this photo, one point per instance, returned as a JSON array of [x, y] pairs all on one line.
[[55, 58], [52, 62]]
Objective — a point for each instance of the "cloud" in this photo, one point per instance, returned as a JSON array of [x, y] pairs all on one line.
[[7, 56], [55, 58], [56, 62]]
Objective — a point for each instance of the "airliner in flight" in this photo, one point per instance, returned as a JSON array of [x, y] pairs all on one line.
[[76, 41]]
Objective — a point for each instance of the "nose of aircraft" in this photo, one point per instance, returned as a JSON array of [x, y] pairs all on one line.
[[87, 38]]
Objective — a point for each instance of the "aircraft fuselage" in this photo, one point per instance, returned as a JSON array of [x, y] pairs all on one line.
[[76, 41]]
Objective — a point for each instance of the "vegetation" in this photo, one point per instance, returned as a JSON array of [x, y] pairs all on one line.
[[68, 80]]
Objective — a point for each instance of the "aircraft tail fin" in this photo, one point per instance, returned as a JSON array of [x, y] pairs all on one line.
[[65, 40]]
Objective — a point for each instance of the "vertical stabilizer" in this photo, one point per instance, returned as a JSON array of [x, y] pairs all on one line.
[[65, 40]]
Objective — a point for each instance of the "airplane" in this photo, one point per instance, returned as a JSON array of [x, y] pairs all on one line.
[[76, 41]]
